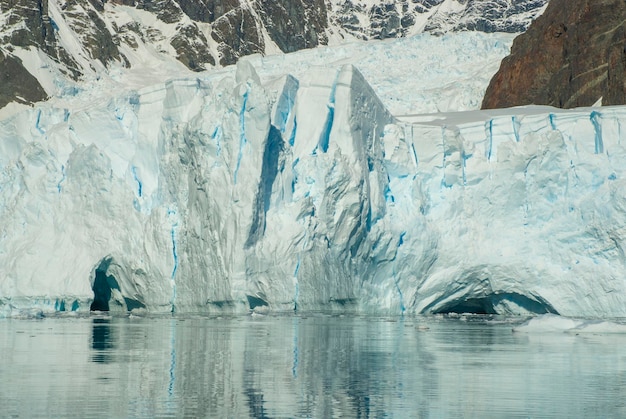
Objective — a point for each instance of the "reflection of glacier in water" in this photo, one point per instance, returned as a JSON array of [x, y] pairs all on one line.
[[315, 366]]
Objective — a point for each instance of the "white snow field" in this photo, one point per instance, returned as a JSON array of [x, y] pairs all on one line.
[[239, 189]]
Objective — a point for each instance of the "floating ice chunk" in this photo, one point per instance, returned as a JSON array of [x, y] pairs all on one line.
[[548, 323], [599, 327], [551, 323]]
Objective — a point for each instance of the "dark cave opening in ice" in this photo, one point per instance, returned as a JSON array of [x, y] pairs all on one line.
[[102, 285], [255, 302], [497, 303]]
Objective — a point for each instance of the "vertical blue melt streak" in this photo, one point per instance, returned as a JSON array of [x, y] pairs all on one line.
[[217, 136], [242, 127], [443, 162], [292, 136], [41, 131], [62, 178], [294, 180], [489, 129], [171, 212], [174, 253], [414, 153], [297, 287], [388, 194], [597, 128], [395, 277], [397, 283], [139, 185], [552, 120], [516, 128]]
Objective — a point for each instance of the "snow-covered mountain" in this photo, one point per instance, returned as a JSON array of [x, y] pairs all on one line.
[[45, 43], [229, 191], [376, 19]]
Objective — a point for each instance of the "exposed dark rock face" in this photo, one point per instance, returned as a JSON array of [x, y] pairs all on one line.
[[381, 21], [192, 48], [207, 11], [295, 25], [167, 11], [17, 84], [27, 23], [237, 35], [571, 56], [393, 19], [95, 37]]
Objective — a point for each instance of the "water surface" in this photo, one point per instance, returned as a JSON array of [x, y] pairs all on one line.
[[317, 366]]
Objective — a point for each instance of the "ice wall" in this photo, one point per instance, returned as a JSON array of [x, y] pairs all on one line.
[[220, 194], [528, 205]]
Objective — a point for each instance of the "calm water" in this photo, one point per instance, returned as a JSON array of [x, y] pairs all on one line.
[[295, 366]]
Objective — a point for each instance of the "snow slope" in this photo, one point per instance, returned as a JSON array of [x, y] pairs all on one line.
[[230, 190]]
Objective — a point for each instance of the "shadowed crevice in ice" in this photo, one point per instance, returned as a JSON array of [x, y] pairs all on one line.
[[255, 302], [273, 147], [102, 286], [504, 303], [132, 304], [324, 140], [105, 285], [222, 304], [343, 302]]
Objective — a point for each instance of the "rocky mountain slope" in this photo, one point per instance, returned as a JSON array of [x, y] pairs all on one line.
[[571, 56], [380, 19], [44, 43]]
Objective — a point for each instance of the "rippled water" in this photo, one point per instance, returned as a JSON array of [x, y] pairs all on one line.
[[294, 366]]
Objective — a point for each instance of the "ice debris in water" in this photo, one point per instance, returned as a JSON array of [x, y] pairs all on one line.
[[550, 323]]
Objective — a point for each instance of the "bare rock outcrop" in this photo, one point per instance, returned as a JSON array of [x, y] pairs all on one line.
[[571, 56]]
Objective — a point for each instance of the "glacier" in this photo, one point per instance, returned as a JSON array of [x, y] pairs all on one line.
[[226, 192]]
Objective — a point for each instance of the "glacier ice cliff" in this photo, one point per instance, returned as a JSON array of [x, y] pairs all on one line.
[[217, 193]]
